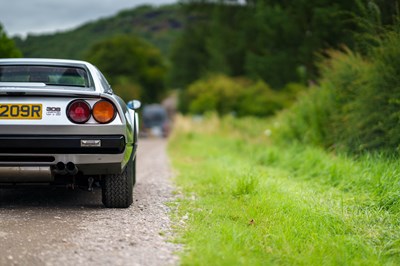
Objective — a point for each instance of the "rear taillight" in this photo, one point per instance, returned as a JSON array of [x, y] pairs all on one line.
[[78, 111], [103, 112]]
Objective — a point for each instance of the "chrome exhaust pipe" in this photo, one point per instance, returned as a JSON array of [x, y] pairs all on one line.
[[25, 174], [60, 169], [71, 168]]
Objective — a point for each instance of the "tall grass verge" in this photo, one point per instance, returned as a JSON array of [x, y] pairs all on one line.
[[251, 201]]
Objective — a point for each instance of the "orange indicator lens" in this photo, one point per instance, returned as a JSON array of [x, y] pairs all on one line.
[[103, 112]]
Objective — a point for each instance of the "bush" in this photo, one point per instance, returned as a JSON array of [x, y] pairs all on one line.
[[345, 77], [308, 120], [239, 96], [379, 113], [217, 93], [356, 107], [258, 99]]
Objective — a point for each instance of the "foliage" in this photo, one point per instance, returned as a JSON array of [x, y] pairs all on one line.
[[322, 115], [275, 41], [193, 59], [127, 88], [158, 25], [238, 96], [356, 107], [125, 58], [7, 46], [267, 40], [219, 93], [379, 113], [251, 201]]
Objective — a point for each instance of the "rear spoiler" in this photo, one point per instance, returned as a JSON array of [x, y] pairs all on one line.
[[41, 89]]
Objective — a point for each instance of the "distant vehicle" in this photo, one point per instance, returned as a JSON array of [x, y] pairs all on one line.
[[61, 123], [155, 121]]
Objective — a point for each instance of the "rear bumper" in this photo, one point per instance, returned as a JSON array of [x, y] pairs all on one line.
[[62, 144], [42, 167], [14, 166]]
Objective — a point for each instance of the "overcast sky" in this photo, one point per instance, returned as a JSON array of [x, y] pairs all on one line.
[[20, 17]]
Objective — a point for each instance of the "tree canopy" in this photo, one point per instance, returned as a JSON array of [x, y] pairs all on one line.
[[272, 40], [7, 46], [130, 60]]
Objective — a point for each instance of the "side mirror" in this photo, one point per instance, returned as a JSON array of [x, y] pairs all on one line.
[[134, 104]]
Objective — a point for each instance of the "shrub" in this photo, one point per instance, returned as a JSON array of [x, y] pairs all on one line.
[[258, 99], [379, 112], [239, 96], [217, 93], [356, 107], [308, 120], [345, 77]]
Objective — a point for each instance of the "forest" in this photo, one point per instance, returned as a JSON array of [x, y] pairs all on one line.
[[253, 58]]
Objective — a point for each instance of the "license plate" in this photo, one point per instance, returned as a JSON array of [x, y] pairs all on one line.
[[21, 111]]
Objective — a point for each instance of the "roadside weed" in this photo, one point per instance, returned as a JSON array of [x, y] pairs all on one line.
[[253, 202]]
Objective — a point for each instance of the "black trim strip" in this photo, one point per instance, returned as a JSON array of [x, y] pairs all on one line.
[[61, 144], [41, 159]]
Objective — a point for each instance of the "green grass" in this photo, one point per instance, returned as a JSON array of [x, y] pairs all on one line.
[[248, 201]]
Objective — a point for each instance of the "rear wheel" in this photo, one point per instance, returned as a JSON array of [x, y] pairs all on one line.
[[117, 189]]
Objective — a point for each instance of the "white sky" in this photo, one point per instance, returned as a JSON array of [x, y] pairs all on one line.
[[20, 17]]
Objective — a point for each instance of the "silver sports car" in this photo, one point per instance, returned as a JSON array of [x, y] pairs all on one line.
[[61, 124]]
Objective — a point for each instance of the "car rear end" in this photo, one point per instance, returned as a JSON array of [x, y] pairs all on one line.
[[61, 133], [36, 131]]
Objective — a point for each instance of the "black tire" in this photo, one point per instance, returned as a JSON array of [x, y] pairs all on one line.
[[117, 189]]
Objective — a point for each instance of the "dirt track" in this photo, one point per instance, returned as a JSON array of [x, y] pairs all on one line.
[[59, 227]]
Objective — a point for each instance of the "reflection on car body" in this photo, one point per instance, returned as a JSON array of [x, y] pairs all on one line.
[[61, 123]]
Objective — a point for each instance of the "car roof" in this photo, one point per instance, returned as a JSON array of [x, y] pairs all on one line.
[[39, 61]]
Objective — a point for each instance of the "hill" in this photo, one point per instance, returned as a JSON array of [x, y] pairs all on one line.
[[158, 25]]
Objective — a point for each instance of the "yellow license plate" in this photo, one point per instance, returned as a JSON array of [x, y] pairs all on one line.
[[20, 111]]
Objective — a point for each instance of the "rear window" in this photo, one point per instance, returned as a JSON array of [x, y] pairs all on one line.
[[50, 75]]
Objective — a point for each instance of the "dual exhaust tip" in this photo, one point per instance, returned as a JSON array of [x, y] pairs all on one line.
[[68, 168], [28, 174]]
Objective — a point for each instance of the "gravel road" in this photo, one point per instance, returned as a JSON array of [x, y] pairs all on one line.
[[58, 227]]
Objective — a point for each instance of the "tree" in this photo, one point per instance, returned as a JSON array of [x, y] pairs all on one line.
[[213, 41], [127, 59], [272, 40], [189, 58], [7, 46]]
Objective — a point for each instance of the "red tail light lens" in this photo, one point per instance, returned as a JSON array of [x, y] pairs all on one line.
[[78, 111]]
